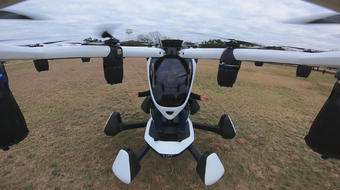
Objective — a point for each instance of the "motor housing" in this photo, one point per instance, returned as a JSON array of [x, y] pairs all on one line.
[[228, 68], [258, 63], [41, 65], [113, 65], [85, 59], [303, 71]]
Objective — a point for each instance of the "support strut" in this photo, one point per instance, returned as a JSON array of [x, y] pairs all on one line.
[[225, 127], [114, 125], [132, 125], [142, 151], [194, 152], [207, 127]]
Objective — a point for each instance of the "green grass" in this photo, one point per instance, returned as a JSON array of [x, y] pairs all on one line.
[[66, 109]]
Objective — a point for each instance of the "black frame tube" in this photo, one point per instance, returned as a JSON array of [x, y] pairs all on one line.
[[132, 125], [207, 127], [194, 152], [142, 151]]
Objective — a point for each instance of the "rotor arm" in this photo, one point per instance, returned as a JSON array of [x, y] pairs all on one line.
[[52, 52], [202, 53], [328, 59], [8, 52], [131, 51]]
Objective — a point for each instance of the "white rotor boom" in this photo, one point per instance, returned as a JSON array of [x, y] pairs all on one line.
[[328, 59]]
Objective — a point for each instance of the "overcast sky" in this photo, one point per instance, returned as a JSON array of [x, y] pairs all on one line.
[[259, 21]]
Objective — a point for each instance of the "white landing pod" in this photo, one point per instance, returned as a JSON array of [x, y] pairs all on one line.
[[210, 168]]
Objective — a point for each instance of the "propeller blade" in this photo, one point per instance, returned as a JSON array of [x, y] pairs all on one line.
[[106, 34], [6, 3], [210, 35], [317, 19], [13, 15], [321, 19], [331, 4], [334, 19], [41, 40], [251, 45], [229, 42], [106, 30]]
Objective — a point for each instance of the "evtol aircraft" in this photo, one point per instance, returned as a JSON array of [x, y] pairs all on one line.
[[170, 70]]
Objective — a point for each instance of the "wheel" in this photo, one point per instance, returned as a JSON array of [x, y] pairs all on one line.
[[112, 126], [227, 129]]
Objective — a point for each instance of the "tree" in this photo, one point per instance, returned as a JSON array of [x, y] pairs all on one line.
[[214, 43], [156, 37], [151, 37], [190, 44], [143, 38]]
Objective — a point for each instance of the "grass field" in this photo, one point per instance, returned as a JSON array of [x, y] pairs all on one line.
[[66, 108]]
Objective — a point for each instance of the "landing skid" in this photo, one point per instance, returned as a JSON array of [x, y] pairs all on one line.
[[126, 165]]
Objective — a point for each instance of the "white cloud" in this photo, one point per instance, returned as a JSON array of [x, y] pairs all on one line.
[[260, 21]]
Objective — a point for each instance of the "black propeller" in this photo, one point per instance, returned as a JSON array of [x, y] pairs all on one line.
[[106, 34], [321, 19], [333, 19], [13, 15], [233, 43], [6, 3], [111, 41], [324, 19]]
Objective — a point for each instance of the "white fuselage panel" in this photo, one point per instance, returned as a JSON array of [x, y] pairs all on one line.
[[174, 110], [169, 147]]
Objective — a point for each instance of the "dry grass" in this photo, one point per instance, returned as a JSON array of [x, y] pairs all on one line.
[[67, 107]]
